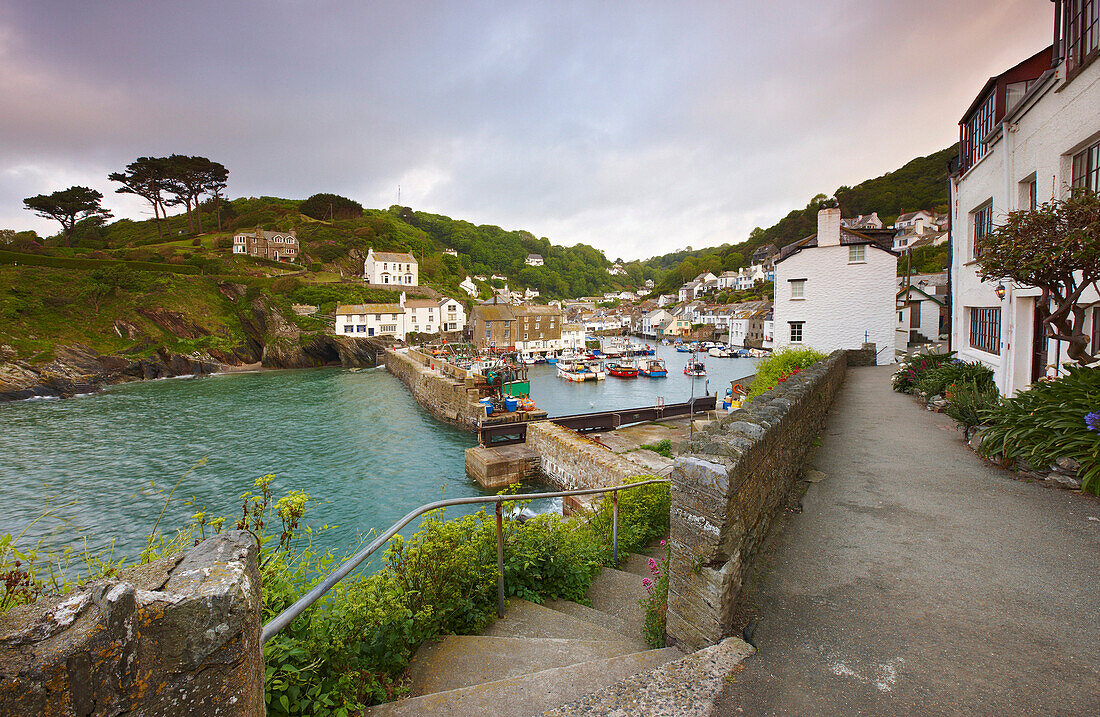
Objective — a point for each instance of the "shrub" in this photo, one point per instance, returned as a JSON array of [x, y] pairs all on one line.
[[223, 243], [779, 366], [285, 284], [315, 266], [1052, 419], [911, 367], [7, 257], [935, 381], [967, 401]]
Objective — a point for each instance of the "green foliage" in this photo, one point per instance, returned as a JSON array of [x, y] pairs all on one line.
[[331, 206], [934, 381], [1055, 248], [327, 295], [926, 260], [663, 448], [1052, 419], [912, 367], [655, 603], [779, 366], [8, 257], [966, 402]]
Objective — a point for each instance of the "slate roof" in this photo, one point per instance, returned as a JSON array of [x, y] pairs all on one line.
[[350, 309], [880, 238], [393, 256]]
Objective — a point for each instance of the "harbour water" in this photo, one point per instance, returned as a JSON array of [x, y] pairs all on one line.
[[355, 440]]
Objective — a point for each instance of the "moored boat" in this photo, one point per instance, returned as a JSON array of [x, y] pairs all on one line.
[[622, 369], [695, 368], [654, 368]]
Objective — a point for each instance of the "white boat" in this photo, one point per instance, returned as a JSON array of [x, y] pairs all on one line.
[[719, 352], [527, 357], [581, 370]]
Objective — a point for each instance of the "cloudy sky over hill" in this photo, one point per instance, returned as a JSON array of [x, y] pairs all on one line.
[[636, 127]]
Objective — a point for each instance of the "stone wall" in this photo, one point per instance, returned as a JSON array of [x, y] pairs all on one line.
[[179, 636], [449, 399], [867, 355], [569, 460], [728, 485]]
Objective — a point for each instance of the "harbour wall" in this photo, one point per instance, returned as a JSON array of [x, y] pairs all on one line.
[[450, 397], [568, 460], [728, 485]]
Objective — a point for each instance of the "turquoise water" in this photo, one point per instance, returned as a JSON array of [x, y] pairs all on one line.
[[355, 440]]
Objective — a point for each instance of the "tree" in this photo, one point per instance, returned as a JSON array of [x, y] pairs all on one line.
[[191, 177], [147, 177], [1055, 248], [67, 206], [330, 207]]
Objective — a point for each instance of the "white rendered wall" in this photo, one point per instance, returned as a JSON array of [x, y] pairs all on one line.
[[1040, 144], [842, 301]]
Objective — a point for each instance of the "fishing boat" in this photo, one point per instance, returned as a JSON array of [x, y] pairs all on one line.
[[719, 352], [581, 370], [623, 369], [654, 368], [527, 358], [695, 368]]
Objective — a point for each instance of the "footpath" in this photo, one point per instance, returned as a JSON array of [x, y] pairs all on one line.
[[920, 579]]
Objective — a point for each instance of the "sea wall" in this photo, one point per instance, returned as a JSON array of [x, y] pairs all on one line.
[[728, 485], [450, 399], [569, 461], [179, 636]]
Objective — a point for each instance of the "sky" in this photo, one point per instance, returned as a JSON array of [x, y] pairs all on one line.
[[637, 127]]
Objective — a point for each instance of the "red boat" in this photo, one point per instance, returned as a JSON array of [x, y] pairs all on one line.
[[623, 369]]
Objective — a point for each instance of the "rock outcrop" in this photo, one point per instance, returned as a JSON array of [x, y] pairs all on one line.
[[178, 636]]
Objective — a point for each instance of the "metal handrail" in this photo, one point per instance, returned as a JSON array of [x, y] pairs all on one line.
[[300, 605]]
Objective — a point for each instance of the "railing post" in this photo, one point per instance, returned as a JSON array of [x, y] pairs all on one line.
[[500, 560], [615, 526]]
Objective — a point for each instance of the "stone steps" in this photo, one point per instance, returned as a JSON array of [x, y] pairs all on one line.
[[566, 658], [532, 693]]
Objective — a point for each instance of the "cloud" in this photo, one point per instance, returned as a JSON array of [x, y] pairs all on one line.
[[638, 128]]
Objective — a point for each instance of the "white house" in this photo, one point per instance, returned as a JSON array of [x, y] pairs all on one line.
[[572, 337], [919, 313], [863, 221], [652, 320], [665, 299], [362, 320], [1031, 134], [836, 290], [452, 315], [916, 222], [533, 260], [468, 286], [616, 270], [390, 268], [450, 252]]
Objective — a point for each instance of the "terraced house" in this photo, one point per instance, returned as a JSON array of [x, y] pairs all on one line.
[[391, 268], [1030, 136]]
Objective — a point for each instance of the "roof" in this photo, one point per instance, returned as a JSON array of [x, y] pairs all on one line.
[[392, 256], [494, 312], [907, 290], [535, 256], [350, 309], [421, 303], [879, 238]]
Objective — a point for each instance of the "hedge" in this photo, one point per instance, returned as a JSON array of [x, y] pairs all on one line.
[[60, 262]]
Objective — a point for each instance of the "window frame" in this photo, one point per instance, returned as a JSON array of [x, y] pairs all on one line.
[[798, 289], [801, 327], [1085, 168], [985, 329], [981, 224], [1081, 33], [857, 249]]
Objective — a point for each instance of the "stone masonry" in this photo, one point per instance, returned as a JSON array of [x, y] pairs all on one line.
[[728, 484], [178, 636]]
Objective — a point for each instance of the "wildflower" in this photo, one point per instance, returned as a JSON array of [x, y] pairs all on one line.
[[662, 543], [1092, 421], [646, 583]]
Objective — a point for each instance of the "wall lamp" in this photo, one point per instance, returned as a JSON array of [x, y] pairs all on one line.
[[1000, 291]]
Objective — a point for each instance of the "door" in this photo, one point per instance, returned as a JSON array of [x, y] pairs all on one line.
[[1038, 345], [370, 331]]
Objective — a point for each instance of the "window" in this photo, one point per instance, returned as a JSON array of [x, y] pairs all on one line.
[[1082, 30], [857, 254], [1086, 168], [348, 329], [488, 333], [1095, 329], [1028, 195], [985, 329], [982, 225], [796, 331], [378, 317], [974, 130], [798, 289], [389, 328], [361, 329]]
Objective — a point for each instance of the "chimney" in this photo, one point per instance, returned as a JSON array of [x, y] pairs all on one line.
[[918, 225], [828, 227], [402, 302]]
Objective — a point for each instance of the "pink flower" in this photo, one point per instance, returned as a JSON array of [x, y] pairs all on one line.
[[662, 543], [646, 582]]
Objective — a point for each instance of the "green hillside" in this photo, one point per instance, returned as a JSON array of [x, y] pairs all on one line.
[[919, 184]]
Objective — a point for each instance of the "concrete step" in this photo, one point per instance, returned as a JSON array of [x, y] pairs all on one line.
[[529, 694], [603, 619], [617, 592], [526, 619], [460, 661]]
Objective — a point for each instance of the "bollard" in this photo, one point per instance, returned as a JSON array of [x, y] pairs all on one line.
[[615, 526]]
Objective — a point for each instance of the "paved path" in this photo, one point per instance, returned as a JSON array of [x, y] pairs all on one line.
[[921, 580]]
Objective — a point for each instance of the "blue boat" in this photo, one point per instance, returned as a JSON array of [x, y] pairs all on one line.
[[654, 368]]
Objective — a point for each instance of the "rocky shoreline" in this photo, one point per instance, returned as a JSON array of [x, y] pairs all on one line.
[[271, 341]]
